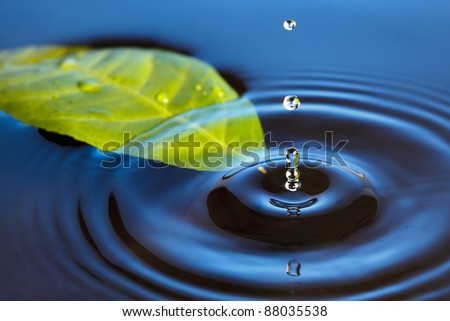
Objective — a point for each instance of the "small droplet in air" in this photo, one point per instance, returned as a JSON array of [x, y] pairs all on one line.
[[89, 86], [291, 102], [289, 24], [293, 268], [198, 87], [55, 96], [162, 98]]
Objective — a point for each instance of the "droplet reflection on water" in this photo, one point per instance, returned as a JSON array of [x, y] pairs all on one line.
[[293, 268]]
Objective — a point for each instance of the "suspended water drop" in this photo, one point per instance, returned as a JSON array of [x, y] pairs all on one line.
[[162, 98], [89, 86], [55, 96], [293, 268], [289, 24], [291, 102]]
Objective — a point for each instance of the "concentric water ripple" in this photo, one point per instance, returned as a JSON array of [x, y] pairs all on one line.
[[83, 232]]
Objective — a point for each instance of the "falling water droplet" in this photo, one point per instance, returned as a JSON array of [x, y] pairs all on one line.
[[291, 102], [162, 98], [55, 96], [293, 268], [289, 24]]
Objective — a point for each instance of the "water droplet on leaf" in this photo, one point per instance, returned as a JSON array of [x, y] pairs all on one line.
[[291, 102], [68, 63], [219, 92], [89, 86], [289, 24], [162, 98]]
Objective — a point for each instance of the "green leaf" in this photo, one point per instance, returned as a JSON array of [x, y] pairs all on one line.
[[117, 98]]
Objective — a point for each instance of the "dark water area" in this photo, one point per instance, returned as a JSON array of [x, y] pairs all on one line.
[[376, 75]]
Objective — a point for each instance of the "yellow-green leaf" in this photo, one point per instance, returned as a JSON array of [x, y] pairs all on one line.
[[32, 55], [111, 98]]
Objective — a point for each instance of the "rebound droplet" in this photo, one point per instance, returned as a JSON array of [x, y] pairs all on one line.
[[162, 98], [293, 268], [292, 174], [89, 86], [291, 102], [289, 24], [292, 158]]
